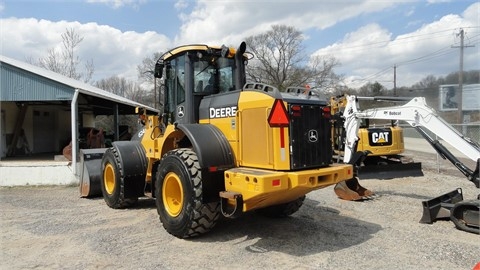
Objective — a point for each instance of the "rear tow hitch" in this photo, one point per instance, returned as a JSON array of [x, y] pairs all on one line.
[[229, 210]]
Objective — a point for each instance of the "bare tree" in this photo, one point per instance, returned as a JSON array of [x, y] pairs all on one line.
[[125, 88], [322, 72], [426, 83], [147, 67], [128, 89], [145, 75], [280, 60], [65, 61]]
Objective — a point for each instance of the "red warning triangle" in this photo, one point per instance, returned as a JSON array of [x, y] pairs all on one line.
[[278, 115]]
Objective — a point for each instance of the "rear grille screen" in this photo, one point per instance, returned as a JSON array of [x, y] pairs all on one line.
[[310, 137]]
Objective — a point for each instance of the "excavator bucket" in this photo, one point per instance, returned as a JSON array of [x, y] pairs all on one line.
[[439, 207], [91, 172], [351, 190], [464, 214]]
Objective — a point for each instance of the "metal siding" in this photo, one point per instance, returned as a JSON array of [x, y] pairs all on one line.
[[59, 81], [19, 85]]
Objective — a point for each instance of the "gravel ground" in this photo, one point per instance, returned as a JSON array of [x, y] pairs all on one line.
[[52, 228]]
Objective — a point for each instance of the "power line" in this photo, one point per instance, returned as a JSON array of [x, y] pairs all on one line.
[[441, 52], [385, 70], [427, 57], [394, 42]]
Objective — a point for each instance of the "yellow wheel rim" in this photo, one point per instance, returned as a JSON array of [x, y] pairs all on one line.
[[109, 178], [172, 194]]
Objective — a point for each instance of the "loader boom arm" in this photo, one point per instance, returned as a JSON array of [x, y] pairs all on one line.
[[420, 116]]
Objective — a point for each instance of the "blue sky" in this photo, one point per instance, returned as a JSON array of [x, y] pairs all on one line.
[[367, 37]]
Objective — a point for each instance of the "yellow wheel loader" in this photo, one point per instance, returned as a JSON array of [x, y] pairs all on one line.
[[383, 144], [221, 146]]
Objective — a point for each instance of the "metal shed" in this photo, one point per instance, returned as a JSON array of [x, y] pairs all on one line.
[[24, 86]]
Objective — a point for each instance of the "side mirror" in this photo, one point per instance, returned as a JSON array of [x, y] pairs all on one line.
[[158, 70]]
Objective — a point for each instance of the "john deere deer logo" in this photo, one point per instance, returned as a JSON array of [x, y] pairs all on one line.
[[312, 135]]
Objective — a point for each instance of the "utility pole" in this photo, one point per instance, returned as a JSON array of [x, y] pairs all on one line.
[[460, 76]]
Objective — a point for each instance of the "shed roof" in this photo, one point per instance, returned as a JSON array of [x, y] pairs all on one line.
[[23, 82]]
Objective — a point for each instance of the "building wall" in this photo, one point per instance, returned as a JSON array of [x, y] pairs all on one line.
[[64, 133], [11, 112], [18, 84], [3, 136], [59, 120]]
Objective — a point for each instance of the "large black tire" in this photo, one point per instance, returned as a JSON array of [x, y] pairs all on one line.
[[113, 185], [282, 210], [178, 190]]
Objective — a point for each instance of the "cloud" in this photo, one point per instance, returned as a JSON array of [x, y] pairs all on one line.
[[438, 1], [113, 52], [181, 4], [369, 53], [471, 14], [233, 20], [119, 3], [410, 12]]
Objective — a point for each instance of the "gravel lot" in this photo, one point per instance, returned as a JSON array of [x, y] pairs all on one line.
[[52, 228]]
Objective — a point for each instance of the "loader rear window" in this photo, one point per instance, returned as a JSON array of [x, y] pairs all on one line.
[[213, 75]]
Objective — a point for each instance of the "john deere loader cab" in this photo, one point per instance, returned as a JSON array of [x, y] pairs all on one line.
[[192, 75]]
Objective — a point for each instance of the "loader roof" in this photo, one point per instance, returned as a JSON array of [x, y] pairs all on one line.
[[195, 47]]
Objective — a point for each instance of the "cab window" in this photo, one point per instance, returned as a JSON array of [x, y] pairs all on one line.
[[180, 80], [213, 75], [175, 83]]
